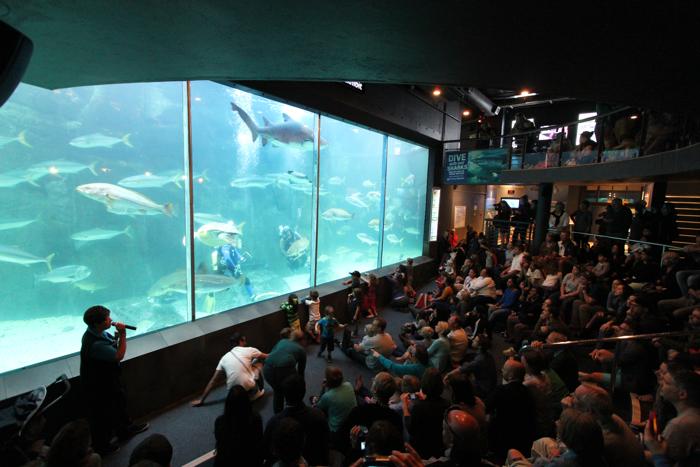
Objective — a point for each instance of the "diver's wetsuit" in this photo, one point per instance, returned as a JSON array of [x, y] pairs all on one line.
[[230, 259]]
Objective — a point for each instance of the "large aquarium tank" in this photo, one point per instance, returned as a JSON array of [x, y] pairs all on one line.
[[96, 185]]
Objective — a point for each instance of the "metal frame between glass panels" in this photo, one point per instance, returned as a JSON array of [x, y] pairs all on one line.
[[313, 275]]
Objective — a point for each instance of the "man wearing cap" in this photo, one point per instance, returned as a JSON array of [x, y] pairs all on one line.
[[240, 366]]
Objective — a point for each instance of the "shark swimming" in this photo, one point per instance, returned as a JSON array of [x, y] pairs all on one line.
[[287, 133]]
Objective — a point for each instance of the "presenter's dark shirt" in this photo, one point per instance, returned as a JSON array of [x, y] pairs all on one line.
[[98, 358]]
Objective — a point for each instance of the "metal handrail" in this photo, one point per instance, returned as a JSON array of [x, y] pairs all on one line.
[[602, 340], [590, 234], [550, 127]]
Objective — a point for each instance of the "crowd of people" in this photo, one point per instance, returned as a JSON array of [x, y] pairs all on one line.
[[438, 396], [637, 223]]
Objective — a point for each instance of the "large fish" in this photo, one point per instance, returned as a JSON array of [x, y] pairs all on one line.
[[336, 214], [93, 235], [394, 239], [205, 218], [177, 282], [364, 238], [98, 140], [216, 234], [20, 138], [70, 273], [251, 182], [15, 177], [122, 201], [41, 169], [10, 254], [355, 200], [89, 286], [9, 224], [288, 133], [148, 180]]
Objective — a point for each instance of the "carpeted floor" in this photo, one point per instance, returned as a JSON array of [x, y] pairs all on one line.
[[191, 430]]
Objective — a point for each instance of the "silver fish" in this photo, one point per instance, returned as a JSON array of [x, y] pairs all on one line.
[[411, 231], [336, 181], [9, 224], [394, 239], [336, 214], [356, 201], [71, 273], [123, 201], [10, 254], [251, 182], [206, 218], [368, 184], [364, 238], [147, 180], [58, 167], [98, 140], [21, 138], [176, 282], [101, 234]]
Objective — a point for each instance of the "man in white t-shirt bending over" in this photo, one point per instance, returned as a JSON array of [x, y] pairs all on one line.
[[241, 367]]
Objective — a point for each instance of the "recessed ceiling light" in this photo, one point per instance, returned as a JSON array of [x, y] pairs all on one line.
[[466, 113], [437, 91], [634, 117]]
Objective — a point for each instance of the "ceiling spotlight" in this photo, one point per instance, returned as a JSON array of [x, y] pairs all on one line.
[[634, 117], [525, 92], [466, 113], [437, 91]]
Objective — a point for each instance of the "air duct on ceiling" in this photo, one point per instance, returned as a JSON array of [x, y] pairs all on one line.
[[480, 100]]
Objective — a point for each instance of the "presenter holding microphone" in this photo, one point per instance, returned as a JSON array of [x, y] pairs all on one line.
[[100, 370]]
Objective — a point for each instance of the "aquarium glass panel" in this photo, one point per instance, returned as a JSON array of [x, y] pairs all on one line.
[[350, 195], [253, 164], [404, 205], [91, 212]]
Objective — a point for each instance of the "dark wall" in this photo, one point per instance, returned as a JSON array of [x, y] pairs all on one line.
[[393, 109]]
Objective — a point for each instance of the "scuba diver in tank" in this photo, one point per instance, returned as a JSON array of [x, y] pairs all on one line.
[[288, 237], [227, 260]]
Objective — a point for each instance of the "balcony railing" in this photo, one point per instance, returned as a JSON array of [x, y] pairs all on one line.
[[622, 134]]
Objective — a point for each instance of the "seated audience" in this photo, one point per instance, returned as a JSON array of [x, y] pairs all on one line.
[[155, 448], [239, 431], [337, 401], [425, 420], [72, 447]]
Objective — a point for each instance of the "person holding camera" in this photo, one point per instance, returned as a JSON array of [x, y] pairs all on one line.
[[100, 376]]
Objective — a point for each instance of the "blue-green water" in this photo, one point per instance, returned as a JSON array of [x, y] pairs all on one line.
[[93, 184]]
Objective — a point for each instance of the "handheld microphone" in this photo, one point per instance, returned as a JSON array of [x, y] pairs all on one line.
[[127, 326]]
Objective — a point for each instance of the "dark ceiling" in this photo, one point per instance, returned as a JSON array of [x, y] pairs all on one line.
[[618, 52]]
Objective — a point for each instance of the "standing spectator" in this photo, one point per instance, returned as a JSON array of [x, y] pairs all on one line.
[[501, 221], [558, 219], [336, 402], [313, 303], [667, 225], [452, 239], [238, 366], [100, 375], [681, 387], [426, 416], [443, 246], [642, 219], [583, 221], [286, 358], [523, 125], [238, 431], [618, 221], [290, 310], [312, 420], [512, 412], [326, 328], [522, 217]]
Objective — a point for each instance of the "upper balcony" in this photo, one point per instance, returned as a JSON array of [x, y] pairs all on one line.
[[624, 144]]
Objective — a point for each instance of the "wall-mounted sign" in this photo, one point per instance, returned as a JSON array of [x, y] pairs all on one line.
[[454, 167], [434, 214], [460, 217]]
